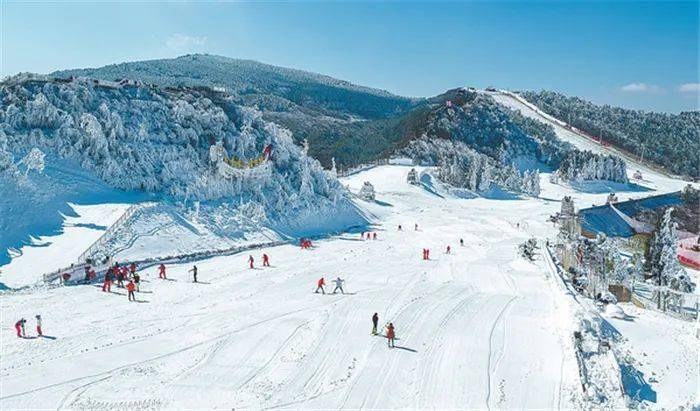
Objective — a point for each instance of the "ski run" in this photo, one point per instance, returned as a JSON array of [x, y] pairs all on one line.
[[478, 327]]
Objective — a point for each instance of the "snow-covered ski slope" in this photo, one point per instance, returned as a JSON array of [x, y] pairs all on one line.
[[653, 178], [477, 328]]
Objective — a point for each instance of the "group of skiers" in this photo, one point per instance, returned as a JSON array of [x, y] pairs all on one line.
[[370, 236], [265, 258], [338, 285], [390, 330], [20, 327], [121, 274]]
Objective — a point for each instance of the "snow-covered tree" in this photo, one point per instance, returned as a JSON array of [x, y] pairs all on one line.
[[34, 160], [663, 256]]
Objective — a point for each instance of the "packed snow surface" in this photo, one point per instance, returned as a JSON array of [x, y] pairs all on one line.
[[478, 327]]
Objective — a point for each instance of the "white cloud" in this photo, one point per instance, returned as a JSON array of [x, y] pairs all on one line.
[[179, 41], [641, 88], [689, 88]]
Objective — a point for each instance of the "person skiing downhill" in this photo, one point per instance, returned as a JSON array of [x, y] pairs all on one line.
[[320, 285], [38, 325], [194, 273], [19, 326], [251, 260], [375, 321], [390, 335], [266, 260], [161, 272], [107, 286], [338, 285], [130, 288]]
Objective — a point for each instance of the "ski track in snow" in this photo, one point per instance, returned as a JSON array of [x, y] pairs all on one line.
[[477, 328]]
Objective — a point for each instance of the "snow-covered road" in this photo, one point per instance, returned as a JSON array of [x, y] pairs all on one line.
[[477, 328]]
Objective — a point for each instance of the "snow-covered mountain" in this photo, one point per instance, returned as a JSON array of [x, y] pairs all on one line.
[[157, 141]]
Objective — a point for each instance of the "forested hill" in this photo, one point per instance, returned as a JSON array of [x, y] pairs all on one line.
[[668, 140]]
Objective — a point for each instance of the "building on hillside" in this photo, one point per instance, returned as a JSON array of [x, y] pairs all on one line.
[[618, 220]]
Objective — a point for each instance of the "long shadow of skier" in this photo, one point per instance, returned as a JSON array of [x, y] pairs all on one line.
[[398, 347], [48, 337]]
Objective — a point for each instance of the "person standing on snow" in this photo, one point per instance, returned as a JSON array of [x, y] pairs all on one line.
[[161, 272], [448, 249], [107, 286], [390, 335], [375, 321], [415, 227], [374, 236], [121, 274], [266, 260], [132, 268], [338, 285], [368, 236], [38, 325], [427, 254], [137, 281], [399, 227], [19, 326], [251, 260], [130, 289], [461, 242], [320, 285], [194, 273]]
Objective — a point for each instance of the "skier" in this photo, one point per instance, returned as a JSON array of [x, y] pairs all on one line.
[[427, 254], [194, 273], [399, 227], [390, 335], [375, 320], [86, 280], [448, 249], [132, 268], [266, 260], [374, 236], [38, 325], [137, 281], [368, 236], [107, 286], [161, 272], [338, 285], [130, 288], [19, 326], [461, 242], [251, 260], [415, 228], [121, 275], [320, 284], [362, 236]]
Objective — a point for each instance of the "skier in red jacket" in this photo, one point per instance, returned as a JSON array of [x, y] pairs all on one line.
[[107, 286], [251, 260], [448, 249], [374, 236], [266, 260], [161, 271], [132, 268], [321, 283]]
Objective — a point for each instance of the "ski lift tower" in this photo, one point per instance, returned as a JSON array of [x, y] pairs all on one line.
[[569, 226]]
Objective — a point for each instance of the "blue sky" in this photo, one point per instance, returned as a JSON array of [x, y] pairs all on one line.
[[631, 54]]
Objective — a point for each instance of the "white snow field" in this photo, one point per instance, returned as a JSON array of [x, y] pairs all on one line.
[[478, 328]]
